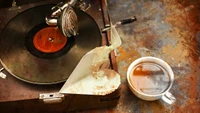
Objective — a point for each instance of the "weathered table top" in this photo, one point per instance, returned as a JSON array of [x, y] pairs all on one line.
[[167, 29]]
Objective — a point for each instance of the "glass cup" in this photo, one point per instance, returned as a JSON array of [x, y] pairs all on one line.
[[151, 78]]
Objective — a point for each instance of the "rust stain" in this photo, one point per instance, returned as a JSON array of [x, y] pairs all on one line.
[[150, 42], [185, 17], [192, 92], [110, 111], [148, 38], [177, 57], [128, 55], [156, 107]]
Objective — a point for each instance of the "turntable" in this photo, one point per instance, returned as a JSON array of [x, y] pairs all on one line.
[[35, 64]]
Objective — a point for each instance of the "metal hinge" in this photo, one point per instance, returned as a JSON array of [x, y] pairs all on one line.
[[50, 98]]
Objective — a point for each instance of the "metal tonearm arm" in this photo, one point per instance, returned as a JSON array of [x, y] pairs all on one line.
[[51, 19]]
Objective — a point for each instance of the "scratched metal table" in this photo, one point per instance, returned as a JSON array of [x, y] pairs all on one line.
[[167, 29]]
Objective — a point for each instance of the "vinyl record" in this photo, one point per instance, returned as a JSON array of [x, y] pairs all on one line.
[[40, 67], [37, 43]]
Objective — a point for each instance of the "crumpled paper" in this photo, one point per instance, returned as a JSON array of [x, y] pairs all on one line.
[[92, 75]]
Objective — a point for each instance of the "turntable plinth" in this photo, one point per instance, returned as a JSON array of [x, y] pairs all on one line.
[[19, 95]]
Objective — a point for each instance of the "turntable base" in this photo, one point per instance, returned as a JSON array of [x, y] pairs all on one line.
[[19, 96]]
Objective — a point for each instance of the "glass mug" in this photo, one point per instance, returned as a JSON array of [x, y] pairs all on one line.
[[151, 78]]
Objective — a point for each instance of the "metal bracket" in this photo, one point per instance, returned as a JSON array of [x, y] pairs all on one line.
[[2, 75], [50, 98]]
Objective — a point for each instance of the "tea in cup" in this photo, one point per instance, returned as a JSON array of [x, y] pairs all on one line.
[[151, 78]]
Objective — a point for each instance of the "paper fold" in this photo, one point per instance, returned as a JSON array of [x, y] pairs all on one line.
[[92, 75]]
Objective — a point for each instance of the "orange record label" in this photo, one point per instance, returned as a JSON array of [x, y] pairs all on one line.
[[49, 40]]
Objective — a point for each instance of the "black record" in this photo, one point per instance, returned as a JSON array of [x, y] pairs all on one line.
[[26, 66]]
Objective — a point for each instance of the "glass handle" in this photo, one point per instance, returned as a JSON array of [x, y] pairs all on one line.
[[2, 75]]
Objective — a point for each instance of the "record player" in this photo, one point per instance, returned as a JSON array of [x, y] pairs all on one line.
[[31, 71]]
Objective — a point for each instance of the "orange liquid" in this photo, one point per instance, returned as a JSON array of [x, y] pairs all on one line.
[[149, 78]]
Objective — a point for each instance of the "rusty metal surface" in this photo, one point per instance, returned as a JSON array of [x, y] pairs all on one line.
[[167, 29]]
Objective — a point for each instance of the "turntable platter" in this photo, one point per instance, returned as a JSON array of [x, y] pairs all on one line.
[[26, 66]]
